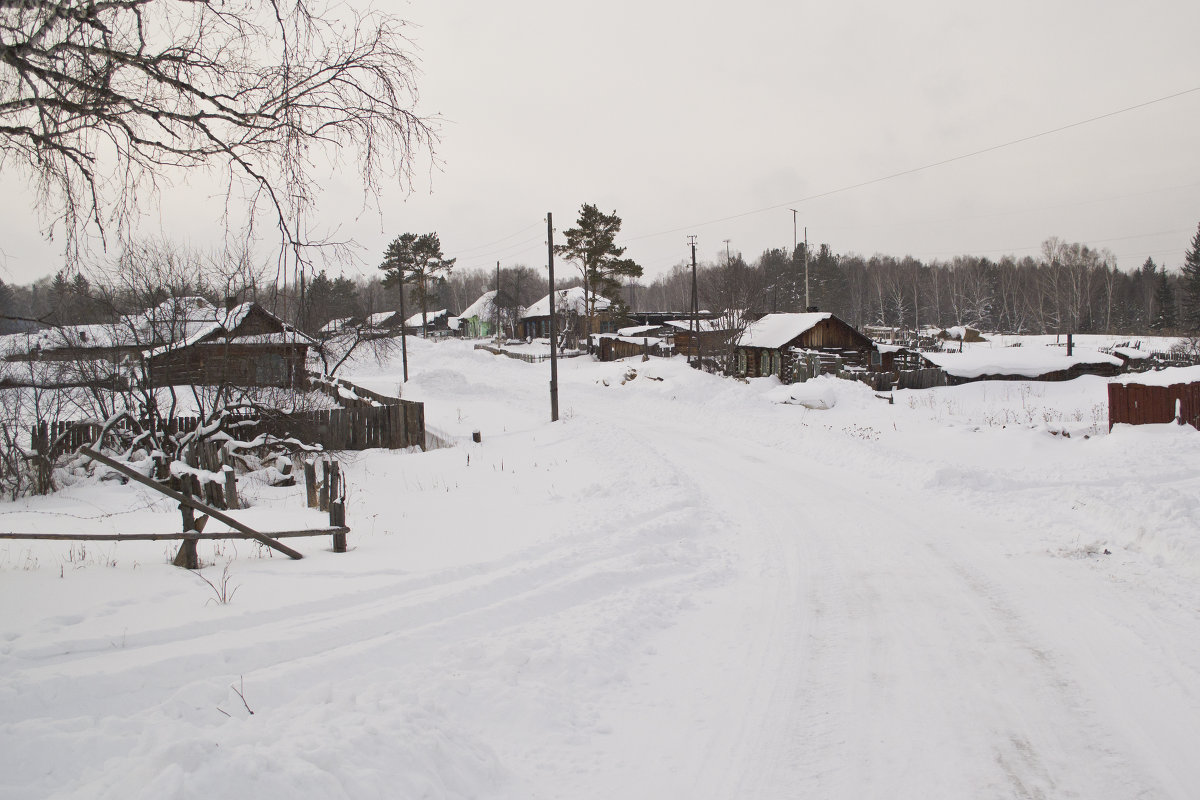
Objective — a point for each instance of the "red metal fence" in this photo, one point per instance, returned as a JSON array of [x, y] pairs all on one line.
[[1135, 404]]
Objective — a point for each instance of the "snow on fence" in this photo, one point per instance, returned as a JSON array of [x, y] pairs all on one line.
[[529, 358], [1135, 404], [329, 494]]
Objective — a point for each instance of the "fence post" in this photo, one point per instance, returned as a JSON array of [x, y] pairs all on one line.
[[231, 498], [187, 557], [310, 482], [323, 492]]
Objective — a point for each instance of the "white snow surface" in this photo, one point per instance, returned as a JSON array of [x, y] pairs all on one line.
[[685, 588]]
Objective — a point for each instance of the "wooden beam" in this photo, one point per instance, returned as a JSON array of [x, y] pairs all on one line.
[[154, 537], [191, 501]]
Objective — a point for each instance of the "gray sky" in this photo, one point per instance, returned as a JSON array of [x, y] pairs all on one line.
[[683, 118]]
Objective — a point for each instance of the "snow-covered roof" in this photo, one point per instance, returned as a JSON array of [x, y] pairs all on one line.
[[484, 307], [380, 318], [565, 300], [415, 320], [335, 325], [776, 330], [1029, 362], [706, 325], [638, 330], [174, 323]]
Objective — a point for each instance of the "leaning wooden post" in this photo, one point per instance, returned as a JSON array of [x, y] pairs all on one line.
[[209, 511]]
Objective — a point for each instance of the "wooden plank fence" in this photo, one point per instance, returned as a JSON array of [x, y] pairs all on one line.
[[1135, 404], [367, 423], [528, 358], [920, 378]]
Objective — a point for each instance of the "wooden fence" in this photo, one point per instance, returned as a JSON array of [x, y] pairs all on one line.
[[920, 378], [610, 349], [368, 423], [528, 358], [1135, 404]]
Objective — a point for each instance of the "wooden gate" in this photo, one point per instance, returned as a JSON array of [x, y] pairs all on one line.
[[1135, 404]]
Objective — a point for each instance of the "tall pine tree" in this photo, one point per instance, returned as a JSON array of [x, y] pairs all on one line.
[[1191, 286], [592, 246]]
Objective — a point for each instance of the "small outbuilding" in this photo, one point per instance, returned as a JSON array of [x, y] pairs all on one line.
[[765, 345]]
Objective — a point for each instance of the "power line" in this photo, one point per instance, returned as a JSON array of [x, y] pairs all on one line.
[[462, 250], [923, 167]]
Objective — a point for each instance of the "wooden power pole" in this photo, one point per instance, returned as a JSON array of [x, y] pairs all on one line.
[[553, 332]]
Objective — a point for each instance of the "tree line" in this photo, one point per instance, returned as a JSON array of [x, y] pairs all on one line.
[[1067, 287]]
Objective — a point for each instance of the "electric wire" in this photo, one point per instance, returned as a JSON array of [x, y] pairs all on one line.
[[913, 170]]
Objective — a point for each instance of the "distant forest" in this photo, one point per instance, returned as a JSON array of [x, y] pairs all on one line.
[[1068, 287]]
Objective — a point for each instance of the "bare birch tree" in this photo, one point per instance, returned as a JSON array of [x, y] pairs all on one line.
[[102, 103]]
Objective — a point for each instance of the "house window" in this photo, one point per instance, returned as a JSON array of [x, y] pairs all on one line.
[[272, 370], [741, 361]]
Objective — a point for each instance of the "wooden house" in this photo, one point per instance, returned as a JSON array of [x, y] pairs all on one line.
[[432, 323], [571, 310], [635, 340], [713, 336], [479, 320], [185, 340], [244, 346], [766, 344]]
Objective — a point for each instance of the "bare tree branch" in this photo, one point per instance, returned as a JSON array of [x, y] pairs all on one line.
[[103, 102]]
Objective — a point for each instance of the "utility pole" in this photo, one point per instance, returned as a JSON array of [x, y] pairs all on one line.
[[794, 245], [726, 251], [403, 327], [695, 329], [496, 303], [553, 332]]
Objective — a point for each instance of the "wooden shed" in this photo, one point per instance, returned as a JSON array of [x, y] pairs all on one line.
[[765, 344]]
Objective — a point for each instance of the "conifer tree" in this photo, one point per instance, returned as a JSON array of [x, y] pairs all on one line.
[[592, 246], [1191, 285], [1164, 300]]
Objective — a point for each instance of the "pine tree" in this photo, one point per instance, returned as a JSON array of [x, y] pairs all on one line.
[[1191, 285], [417, 260], [1164, 300], [592, 246]]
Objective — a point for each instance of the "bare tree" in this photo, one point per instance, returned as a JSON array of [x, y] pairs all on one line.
[[102, 102]]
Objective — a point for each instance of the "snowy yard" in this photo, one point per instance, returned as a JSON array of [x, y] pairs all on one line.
[[689, 587]]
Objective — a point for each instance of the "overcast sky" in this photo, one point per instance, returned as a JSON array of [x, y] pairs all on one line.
[[716, 118]]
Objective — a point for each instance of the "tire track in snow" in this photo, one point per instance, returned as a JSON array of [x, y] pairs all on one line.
[[881, 665]]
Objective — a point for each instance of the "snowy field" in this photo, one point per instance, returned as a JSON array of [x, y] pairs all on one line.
[[689, 587]]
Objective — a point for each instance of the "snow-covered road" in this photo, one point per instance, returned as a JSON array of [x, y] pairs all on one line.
[[681, 590]]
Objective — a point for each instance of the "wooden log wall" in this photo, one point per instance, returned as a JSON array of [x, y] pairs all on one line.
[[1135, 404]]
